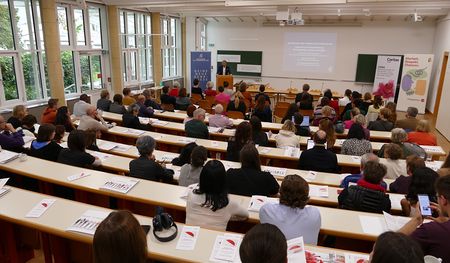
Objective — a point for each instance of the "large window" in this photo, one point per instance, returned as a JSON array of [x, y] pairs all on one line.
[[200, 34], [135, 31], [171, 46], [84, 47], [22, 63]]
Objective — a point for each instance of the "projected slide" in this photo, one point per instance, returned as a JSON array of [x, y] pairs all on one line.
[[309, 52]]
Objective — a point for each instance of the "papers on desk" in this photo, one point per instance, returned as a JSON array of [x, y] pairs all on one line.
[[356, 159], [186, 139], [102, 156], [275, 171], [144, 120], [226, 248], [264, 150], [88, 222], [64, 145], [377, 225], [257, 201], [120, 184], [77, 176], [4, 189], [7, 156], [187, 190], [134, 132], [167, 158], [156, 122], [432, 149], [355, 258], [108, 146], [215, 129], [214, 144], [188, 238], [318, 190], [296, 250], [339, 142], [292, 152], [395, 201], [310, 175], [436, 165], [176, 170], [40, 208]]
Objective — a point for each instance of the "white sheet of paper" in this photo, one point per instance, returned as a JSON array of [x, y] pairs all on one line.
[[355, 258], [226, 248], [107, 146], [372, 225], [318, 190], [102, 156], [186, 140], [311, 175], [135, 132], [144, 120], [214, 144], [257, 201], [4, 190], [263, 150], [395, 201], [27, 139], [296, 250], [77, 176], [88, 222], [275, 171], [120, 184], [394, 223], [3, 182], [40, 208], [187, 190], [292, 152], [356, 159], [340, 141], [214, 129], [64, 145], [188, 238], [7, 156]]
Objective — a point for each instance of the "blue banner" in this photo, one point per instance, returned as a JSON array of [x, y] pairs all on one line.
[[201, 67]]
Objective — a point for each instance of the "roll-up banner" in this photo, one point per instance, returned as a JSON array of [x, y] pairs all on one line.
[[201, 67], [386, 76]]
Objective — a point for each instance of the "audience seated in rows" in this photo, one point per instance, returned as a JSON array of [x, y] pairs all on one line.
[[127, 97], [318, 158], [392, 159], [237, 104], [63, 118], [196, 128], [190, 113], [304, 100], [182, 101], [131, 120], [209, 89], [382, 123], [262, 111], [368, 195], [353, 113], [90, 121], [145, 166], [402, 183], [355, 96], [301, 130], [396, 247], [144, 111], [50, 112], [261, 92], [81, 106], [228, 89], [393, 114], [222, 97], [18, 113], [208, 205], [376, 106], [245, 94], [250, 179], [400, 137], [104, 102], [327, 126], [149, 102], [263, 243], [242, 136], [166, 98], [190, 172], [286, 137], [334, 104], [292, 109], [409, 123], [196, 89], [175, 89], [10, 139], [292, 215], [119, 238], [76, 154], [356, 144], [354, 178], [422, 183], [218, 119], [346, 99], [323, 111], [259, 137], [27, 127], [433, 236], [367, 102], [117, 106], [185, 154], [445, 168], [44, 147], [422, 134]]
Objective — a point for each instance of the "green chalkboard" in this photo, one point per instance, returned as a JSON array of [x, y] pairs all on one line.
[[366, 68], [253, 58]]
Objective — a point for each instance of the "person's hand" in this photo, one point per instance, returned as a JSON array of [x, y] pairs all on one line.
[[9, 127], [417, 213], [441, 218]]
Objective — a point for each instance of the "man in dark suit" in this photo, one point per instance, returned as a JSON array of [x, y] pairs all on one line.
[[223, 69], [318, 158]]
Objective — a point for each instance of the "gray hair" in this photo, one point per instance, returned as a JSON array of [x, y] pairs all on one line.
[[210, 84], [133, 107], [398, 135], [145, 145], [369, 157], [360, 119], [412, 111], [199, 112], [176, 84]]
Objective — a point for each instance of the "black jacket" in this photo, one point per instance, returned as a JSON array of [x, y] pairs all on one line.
[[318, 159], [131, 121], [49, 152], [307, 104], [166, 99], [251, 182], [363, 199], [147, 169], [380, 125], [260, 138]]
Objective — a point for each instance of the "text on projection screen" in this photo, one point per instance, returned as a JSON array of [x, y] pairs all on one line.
[[309, 52]]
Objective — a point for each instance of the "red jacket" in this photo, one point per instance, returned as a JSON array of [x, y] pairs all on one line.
[[48, 116]]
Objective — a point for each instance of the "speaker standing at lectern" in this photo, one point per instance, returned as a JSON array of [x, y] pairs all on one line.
[[223, 69]]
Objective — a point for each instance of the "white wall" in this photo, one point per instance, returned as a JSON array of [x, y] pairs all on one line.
[[371, 38], [190, 46], [441, 45]]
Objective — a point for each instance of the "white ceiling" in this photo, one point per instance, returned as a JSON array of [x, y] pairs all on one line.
[[313, 10]]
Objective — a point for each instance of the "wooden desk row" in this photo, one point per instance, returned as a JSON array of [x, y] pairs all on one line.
[[63, 213], [336, 222], [178, 128]]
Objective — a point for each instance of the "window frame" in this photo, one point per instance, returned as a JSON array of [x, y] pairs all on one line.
[[173, 47]]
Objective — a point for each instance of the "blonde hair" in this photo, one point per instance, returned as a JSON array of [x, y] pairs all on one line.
[[423, 126], [360, 119], [327, 111], [237, 97], [288, 125], [19, 111]]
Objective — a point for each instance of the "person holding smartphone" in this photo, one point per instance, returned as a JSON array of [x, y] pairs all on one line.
[[433, 236]]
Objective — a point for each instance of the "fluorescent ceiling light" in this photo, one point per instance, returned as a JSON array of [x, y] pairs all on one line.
[[280, 2]]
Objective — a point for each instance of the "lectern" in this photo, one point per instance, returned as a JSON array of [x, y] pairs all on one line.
[[220, 79]]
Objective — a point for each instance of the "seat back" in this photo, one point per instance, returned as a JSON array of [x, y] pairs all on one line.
[[235, 115], [167, 107]]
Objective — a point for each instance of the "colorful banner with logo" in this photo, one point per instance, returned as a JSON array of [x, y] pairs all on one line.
[[415, 81], [201, 67], [386, 76]]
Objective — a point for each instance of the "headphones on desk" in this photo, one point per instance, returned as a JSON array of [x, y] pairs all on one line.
[[162, 221]]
